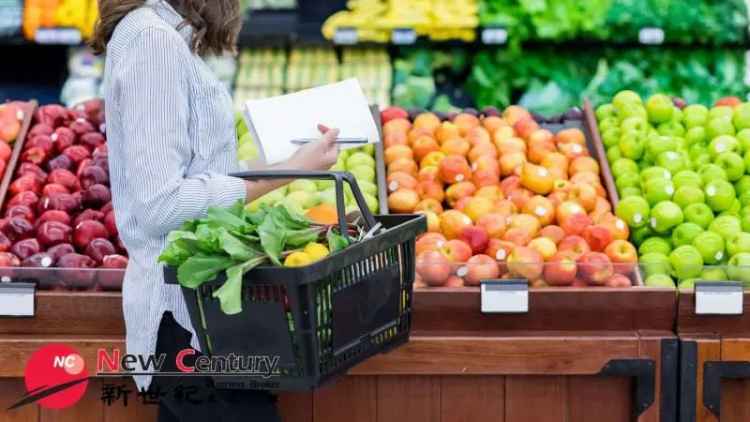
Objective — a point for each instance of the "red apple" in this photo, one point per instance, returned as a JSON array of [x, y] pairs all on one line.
[[480, 267], [623, 255], [598, 237], [575, 245], [457, 251], [433, 267], [618, 280], [561, 270], [429, 242], [595, 268], [526, 262], [476, 237]]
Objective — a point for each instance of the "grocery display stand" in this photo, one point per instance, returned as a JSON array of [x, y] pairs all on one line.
[[715, 363]]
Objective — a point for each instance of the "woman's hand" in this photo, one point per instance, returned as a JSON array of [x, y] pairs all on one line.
[[319, 155]]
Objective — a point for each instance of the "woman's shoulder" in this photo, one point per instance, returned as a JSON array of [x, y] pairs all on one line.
[[140, 23]]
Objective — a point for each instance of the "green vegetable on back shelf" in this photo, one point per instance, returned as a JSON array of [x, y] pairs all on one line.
[[236, 240]]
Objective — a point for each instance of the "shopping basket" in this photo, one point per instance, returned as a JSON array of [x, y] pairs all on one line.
[[301, 327]]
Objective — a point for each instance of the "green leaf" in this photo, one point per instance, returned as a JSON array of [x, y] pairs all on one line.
[[207, 239], [230, 293], [174, 255], [287, 219], [272, 239], [225, 217], [298, 238], [336, 242], [235, 247], [198, 269]]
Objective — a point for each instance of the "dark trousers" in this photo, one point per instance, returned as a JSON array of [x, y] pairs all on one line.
[[191, 398]]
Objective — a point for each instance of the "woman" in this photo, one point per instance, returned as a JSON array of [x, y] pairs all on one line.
[[171, 141]]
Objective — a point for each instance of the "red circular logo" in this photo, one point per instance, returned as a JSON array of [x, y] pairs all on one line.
[[58, 374]]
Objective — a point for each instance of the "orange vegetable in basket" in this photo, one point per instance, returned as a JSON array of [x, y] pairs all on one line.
[[323, 214]]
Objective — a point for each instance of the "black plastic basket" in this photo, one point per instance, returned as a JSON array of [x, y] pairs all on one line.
[[319, 320]]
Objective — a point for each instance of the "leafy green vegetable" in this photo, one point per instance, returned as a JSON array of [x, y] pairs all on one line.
[[201, 268], [336, 242], [230, 293]]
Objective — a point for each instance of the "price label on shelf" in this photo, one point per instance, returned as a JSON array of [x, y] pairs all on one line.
[[403, 36], [719, 298], [345, 36], [16, 299], [64, 36], [651, 36], [494, 36], [504, 296]]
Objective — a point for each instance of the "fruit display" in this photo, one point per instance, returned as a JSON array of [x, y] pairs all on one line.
[[375, 20], [58, 212], [78, 14], [504, 197], [705, 21], [682, 173], [235, 240], [317, 199], [247, 151], [267, 73]]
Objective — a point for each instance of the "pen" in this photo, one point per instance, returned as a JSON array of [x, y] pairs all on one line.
[[355, 141]]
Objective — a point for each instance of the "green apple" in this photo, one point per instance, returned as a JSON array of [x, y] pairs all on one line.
[[628, 180], [695, 115], [655, 172], [743, 137], [671, 128], [695, 136], [630, 191], [359, 159], [328, 196], [659, 281], [720, 111], [733, 165], [745, 221], [687, 178], [657, 190], [688, 284], [655, 145], [711, 172], [633, 210], [626, 98], [660, 108], [745, 198], [666, 215], [632, 146], [614, 153], [372, 203], [685, 233], [604, 111], [655, 244], [711, 246], [611, 137], [739, 243], [624, 166], [742, 185], [655, 263], [686, 262], [634, 124], [677, 114], [747, 160], [713, 274], [739, 268], [632, 110], [368, 187], [369, 149], [723, 143], [365, 173], [608, 123], [672, 161], [640, 234], [734, 209], [687, 195], [719, 126], [699, 214], [700, 159], [720, 195], [305, 185], [727, 226], [741, 116], [292, 205], [303, 198]]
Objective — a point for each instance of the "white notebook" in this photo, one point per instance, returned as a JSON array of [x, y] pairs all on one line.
[[274, 122]]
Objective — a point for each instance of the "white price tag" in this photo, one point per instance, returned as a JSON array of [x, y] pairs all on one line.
[[505, 296], [345, 36], [403, 36], [64, 36], [651, 36], [16, 300], [494, 36], [719, 298]]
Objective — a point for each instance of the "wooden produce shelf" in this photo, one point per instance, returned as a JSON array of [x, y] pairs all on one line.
[[715, 363]]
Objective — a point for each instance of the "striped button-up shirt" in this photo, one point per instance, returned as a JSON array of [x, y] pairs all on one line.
[[172, 142]]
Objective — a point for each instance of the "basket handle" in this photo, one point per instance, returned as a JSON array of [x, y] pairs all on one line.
[[339, 177]]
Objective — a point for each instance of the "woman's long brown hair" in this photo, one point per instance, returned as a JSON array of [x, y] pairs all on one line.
[[216, 23]]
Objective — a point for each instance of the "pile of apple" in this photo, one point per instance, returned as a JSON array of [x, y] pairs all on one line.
[[59, 211], [683, 175], [304, 194], [504, 198]]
